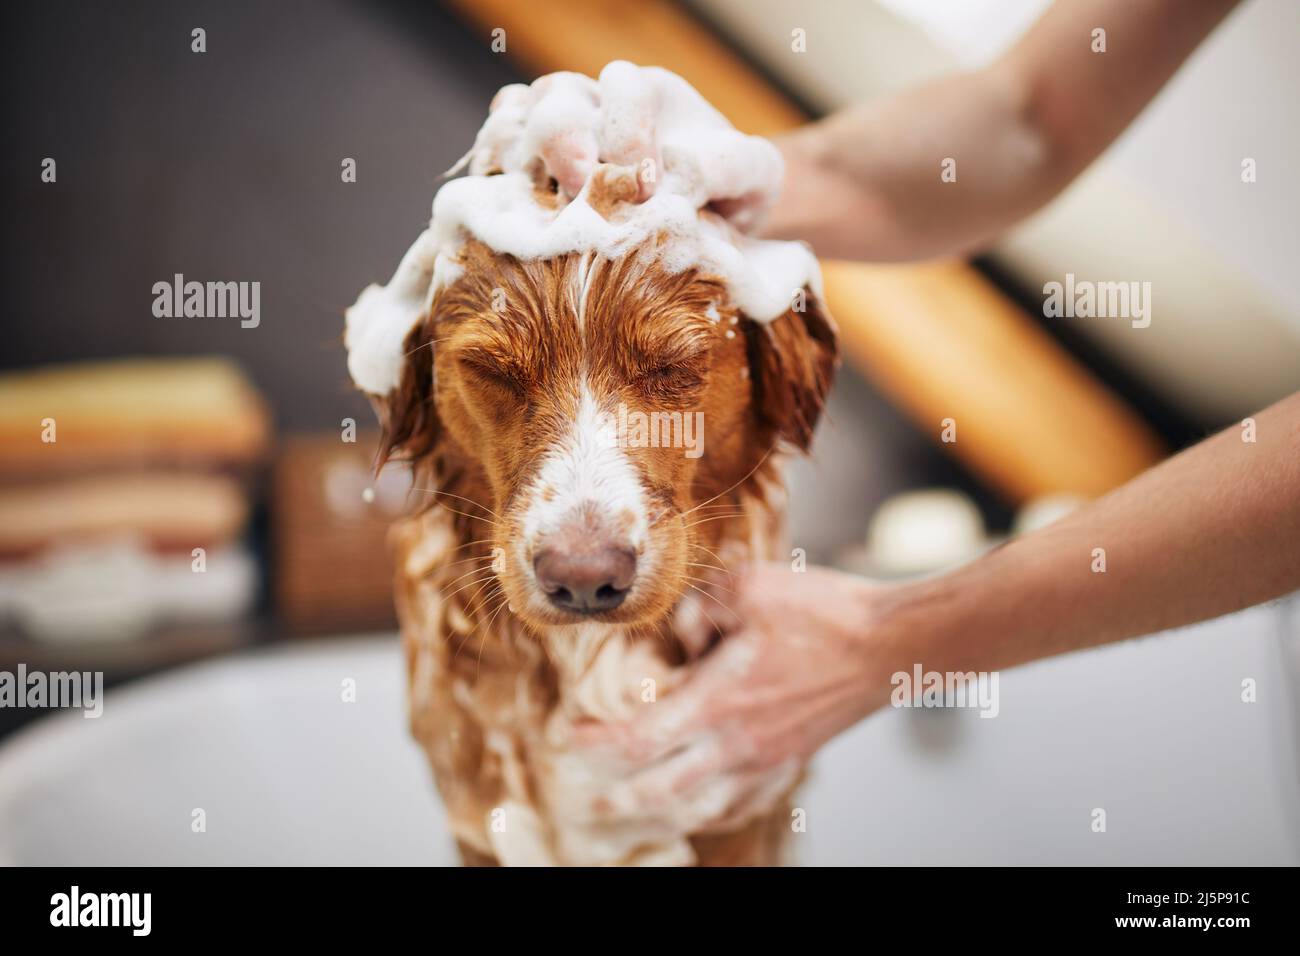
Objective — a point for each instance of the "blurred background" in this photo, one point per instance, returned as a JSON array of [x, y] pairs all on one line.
[[209, 503]]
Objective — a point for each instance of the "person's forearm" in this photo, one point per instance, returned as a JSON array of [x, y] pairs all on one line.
[[866, 183], [870, 183], [1212, 530]]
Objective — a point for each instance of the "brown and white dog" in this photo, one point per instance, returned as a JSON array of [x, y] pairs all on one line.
[[538, 582]]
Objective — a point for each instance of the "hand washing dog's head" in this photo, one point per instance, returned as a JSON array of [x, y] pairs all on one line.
[[583, 356]]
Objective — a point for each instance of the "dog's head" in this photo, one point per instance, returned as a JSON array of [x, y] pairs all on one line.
[[596, 412]]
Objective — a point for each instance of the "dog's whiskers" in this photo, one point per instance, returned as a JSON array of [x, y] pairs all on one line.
[[705, 610], [717, 557], [466, 574], [477, 504], [469, 604], [748, 475], [471, 612], [478, 662], [711, 567], [721, 517], [710, 584], [429, 344], [488, 521], [489, 574], [476, 557], [468, 544]]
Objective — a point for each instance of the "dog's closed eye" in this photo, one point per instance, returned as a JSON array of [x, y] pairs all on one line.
[[671, 378], [491, 371]]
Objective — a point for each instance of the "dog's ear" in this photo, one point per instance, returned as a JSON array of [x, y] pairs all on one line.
[[408, 417], [792, 362]]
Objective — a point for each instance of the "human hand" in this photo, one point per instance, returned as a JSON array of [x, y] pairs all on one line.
[[794, 666], [642, 125]]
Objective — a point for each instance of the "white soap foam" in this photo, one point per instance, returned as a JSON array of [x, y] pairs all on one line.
[[698, 182]]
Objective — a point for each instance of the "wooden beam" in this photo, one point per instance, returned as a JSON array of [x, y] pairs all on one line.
[[944, 343], [938, 338], [583, 35]]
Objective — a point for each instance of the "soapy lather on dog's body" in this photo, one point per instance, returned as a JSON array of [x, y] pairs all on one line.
[[632, 167]]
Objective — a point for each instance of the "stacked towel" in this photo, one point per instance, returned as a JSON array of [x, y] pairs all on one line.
[[125, 495]]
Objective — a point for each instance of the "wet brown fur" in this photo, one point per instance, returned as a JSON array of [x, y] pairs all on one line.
[[488, 384]]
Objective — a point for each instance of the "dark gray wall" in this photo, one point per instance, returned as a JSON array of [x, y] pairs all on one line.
[[224, 166]]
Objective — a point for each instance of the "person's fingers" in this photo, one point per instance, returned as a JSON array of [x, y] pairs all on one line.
[[660, 786], [745, 212], [592, 734], [740, 807], [709, 783], [668, 723], [733, 595], [625, 120], [755, 793], [505, 124], [659, 730], [693, 706], [695, 625], [629, 113], [561, 128], [570, 156], [511, 96], [704, 786]]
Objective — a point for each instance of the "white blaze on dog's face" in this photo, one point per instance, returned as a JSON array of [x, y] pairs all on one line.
[[591, 405], [585, 519]]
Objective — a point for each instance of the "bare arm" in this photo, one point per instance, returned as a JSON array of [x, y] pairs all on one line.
[[1212, 530], [806, 655], [865, 183]]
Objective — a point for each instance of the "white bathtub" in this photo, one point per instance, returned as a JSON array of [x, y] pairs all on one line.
[[1154, 732]]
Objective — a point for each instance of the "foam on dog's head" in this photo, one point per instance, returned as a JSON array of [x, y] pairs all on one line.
[[571, 164]]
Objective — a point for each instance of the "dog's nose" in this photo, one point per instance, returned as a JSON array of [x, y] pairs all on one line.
[[586, 580]]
